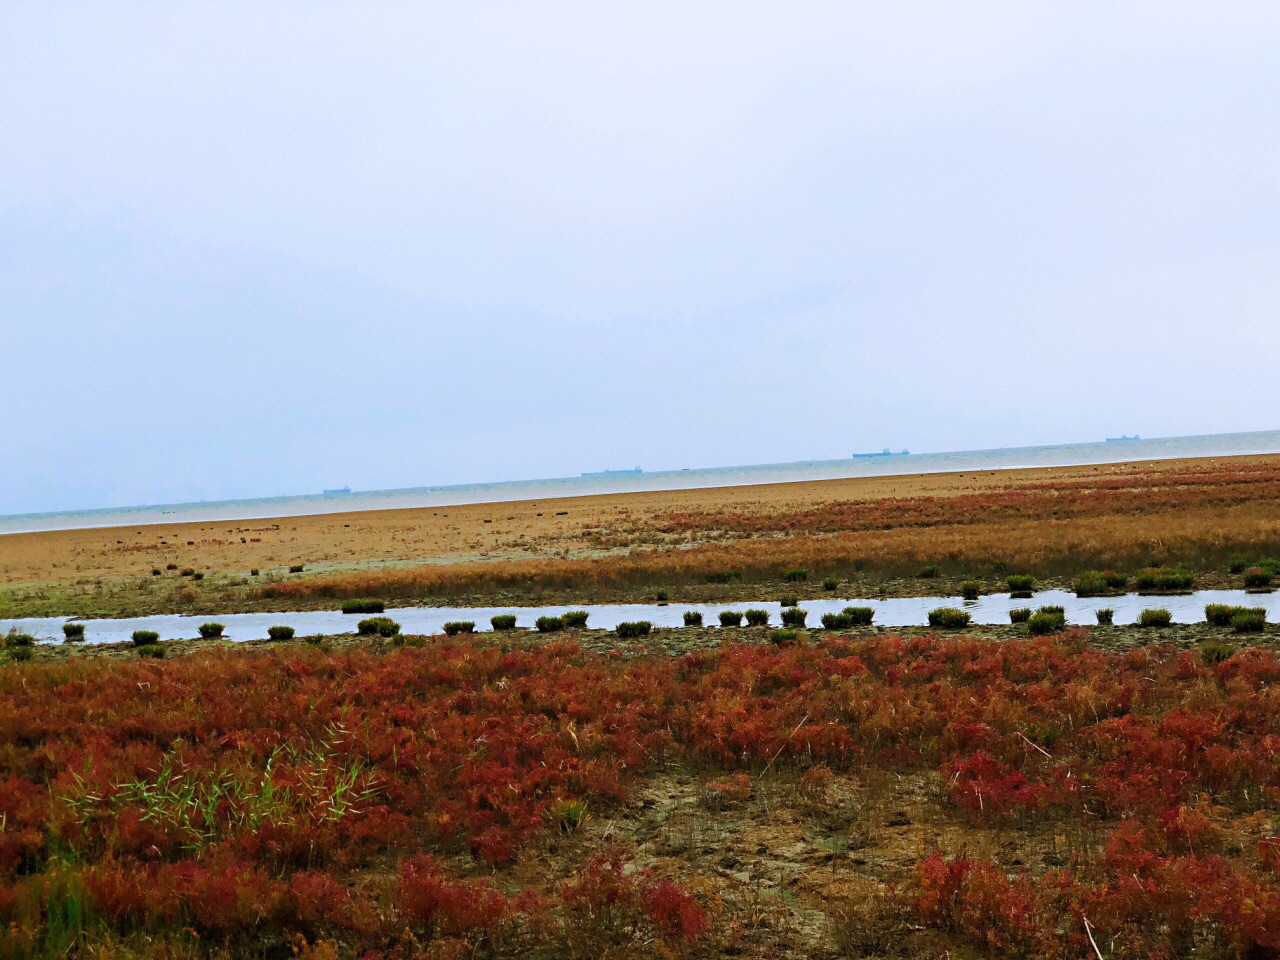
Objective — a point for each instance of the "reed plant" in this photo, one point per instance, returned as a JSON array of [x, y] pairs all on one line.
[[794, 617]]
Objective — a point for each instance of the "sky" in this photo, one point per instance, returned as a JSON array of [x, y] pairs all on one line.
[[254, 249]]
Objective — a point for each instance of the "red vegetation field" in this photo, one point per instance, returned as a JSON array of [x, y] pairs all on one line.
[[422, 801]]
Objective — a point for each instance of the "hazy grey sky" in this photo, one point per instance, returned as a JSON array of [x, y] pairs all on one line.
[[261, 248]]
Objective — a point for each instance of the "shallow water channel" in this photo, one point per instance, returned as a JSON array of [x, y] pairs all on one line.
[[893, 612]]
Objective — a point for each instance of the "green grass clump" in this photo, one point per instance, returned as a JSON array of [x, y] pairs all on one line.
[[197, 575], [1105, 617], [730, 618], [949, 618], [635, 628], [1021, 583], [1215, 651], [971, 589], [16, 638], [860, 616], [1042, 624], [790, 600], [796, 575], [145, 638], [575, 619], [152, 650], [503, 621], [1160, 579], [836, 621], [73, 632], [280, 633], [929, 572], [692, 618], [1092, 583], [1249, 620], [1116, 581], [549, 624], [1256, 577], [364, 605], [783, 636], [724, 576], [297, 567], [378, 627], [211, 630], [757, 618], [661, 596], [1155, 617], [793, 617], [452, 628], [1219, 614], [830, 583], [569, 815], [1020, 615], [20, 654], [157, 572]]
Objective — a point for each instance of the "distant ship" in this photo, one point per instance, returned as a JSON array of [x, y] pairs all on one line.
[[337, 493], [886, 452], [1123, 438], [613, 473]]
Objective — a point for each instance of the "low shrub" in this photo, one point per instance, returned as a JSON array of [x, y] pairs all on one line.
[[971, 589], [636, 628], [253, 572], [503, 621], [1116, 581], [1092, 583], [788, 601], [730, 618], [569, 815], [929, 572], [661, 596], [197, 575], [860, 616], [171, 566], [366, 605], [20, 654], [377, 627], [280, 633], [1256, 577], [1155, 617], [1105, 617], [1249, 620], [152, 650], [1020, 615], [157, 572], [949, 618], [549, 624], [1159, 579], [297, 567], [1215, 651], [1237, 563], [1054, 610], [145, 638], [1219, 614], [836, 621], [1021, 583], [73, 632], [451, 629], [830, 583], [783, 636], [757, 618], [1042, 624], [796, 575], [575, 619], [15, 638], [187, 572], [211, 630], [724, 576], [793, 617], [692, 618]]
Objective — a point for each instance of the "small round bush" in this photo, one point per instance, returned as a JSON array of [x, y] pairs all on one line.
[[1252, 620], [16, 639], [152, 650], [211, 630], [503, 621], [280, 633], [783, 636], [794, 617], [145, 638], [171, 566], [637, 628], [757, 618], [1106, 616], [297, 568], [1043, 624], [187, 572], [73, 632], [836, 621], [1020, 615], [575, 619], [157, 572], [1155, 617], [661, 596], [20, 654], [1216, 652], [253, 572], [1116, 581], [971, 589], [379, 627], [860, 616], [549, 624], [730, 618], [1021, 583], [363, 605], [1256, 577], [929, 572], [1219, 614], [830, 583], [1091, 584], [796, 575], [949, 618], [692, 618], [788, 601], [197, 576], [453, 627]]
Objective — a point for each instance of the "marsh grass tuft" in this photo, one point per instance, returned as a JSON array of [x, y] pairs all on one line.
[[635, 628], [210, 631], [549, 624], [780, 637], [503, 621], [796, 575], [1020, 615], [363, 605], [949, 618], [1105, 617], [452, 628], [757, 618], [692, 618], [860, 616], [794, 617], [280, 633], [145, 638], [836, 621], [730, 618], [971, 589], [1155, 617], [73, 632], [575, 619]]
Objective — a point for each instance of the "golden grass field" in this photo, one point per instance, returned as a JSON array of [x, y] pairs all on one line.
[[875, 533]]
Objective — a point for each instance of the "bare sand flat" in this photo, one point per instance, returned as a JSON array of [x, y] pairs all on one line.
[[545, 529]]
